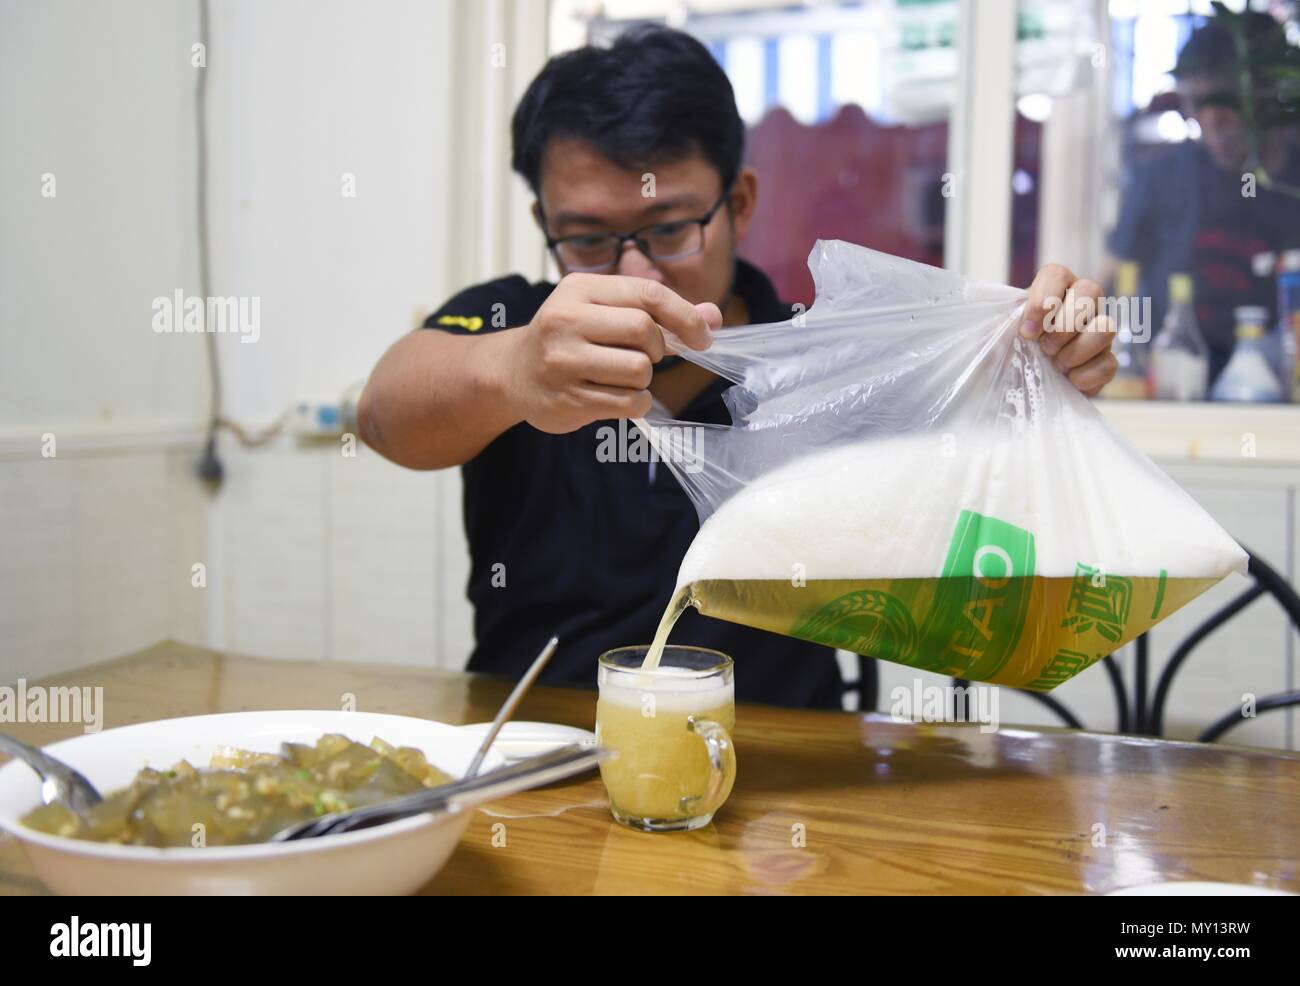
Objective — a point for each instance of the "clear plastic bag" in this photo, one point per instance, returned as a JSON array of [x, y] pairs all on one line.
[[907, 478]]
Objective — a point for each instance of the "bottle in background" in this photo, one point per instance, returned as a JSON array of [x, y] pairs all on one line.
[[1179, 368], [1287, 332], [1248, 378], [1130, 380]]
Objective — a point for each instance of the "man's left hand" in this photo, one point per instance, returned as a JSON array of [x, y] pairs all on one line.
[[1064, 313]]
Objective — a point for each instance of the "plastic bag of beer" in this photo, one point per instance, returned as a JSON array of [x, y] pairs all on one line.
[[905, 477]]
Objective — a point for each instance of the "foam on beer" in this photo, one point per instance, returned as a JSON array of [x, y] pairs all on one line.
[[677, 690]]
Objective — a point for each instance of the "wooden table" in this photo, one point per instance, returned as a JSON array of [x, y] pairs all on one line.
[[824, 802]]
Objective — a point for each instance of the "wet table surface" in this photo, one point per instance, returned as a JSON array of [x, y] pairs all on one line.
[[824, 802]]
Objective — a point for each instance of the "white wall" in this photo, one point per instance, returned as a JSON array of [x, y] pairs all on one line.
[[97, 541], [96, 551], [323, 555], [100, 96], [308, 553], [301, 94]]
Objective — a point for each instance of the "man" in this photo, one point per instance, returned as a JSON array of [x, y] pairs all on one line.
[[515, 379], [1192, 208]]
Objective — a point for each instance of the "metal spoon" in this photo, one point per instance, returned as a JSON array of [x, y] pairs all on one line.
[[59, 783], [512, 703]]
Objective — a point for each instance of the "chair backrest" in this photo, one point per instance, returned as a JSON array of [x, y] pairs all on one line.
[[1268, 581], [1191, 641]]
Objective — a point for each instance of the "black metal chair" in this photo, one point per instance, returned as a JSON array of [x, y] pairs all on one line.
[[1062, 711], [1147, 719], [1267, 581]]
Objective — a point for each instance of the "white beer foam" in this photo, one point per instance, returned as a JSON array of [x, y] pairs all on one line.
[[675, 689], [888, 509]]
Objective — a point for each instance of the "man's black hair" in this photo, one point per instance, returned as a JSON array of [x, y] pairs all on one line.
[[1211, 49], [655, 95]]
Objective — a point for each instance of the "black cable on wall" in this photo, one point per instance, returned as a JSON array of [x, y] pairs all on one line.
[[210, 468]]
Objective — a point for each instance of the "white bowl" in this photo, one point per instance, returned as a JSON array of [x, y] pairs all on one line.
[[396, 858]]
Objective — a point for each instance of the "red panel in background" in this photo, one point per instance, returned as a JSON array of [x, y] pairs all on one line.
[[849, 178]]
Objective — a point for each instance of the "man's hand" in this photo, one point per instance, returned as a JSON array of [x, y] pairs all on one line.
[[1064, 313], [589, 352]]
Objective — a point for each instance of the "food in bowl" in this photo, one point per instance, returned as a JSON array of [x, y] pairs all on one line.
[[244, 797]]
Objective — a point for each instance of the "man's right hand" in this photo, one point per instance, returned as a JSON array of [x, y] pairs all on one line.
[[589, 352]]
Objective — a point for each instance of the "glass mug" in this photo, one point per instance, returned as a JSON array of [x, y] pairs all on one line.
[[671, 729]]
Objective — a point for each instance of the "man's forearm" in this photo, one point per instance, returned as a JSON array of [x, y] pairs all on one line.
[[436, 400]]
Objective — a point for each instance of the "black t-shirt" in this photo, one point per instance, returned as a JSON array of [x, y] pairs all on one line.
[[1180, 213], [563, 543]]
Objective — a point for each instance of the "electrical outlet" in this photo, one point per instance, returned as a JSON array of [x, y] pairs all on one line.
[[318, 418]]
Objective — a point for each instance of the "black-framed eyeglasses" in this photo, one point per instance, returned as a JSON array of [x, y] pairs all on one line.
[[677, 239]]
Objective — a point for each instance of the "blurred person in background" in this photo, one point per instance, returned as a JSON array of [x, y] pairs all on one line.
[[1187, 209]]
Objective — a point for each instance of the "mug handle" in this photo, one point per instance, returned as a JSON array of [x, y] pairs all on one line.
[[722, 763]]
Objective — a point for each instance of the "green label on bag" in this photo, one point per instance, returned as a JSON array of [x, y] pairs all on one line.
[[979, 607]]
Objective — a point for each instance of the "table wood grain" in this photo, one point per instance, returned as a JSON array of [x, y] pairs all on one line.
[[824, 802]]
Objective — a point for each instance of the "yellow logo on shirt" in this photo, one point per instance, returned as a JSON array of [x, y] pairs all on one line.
[[471, 324]]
